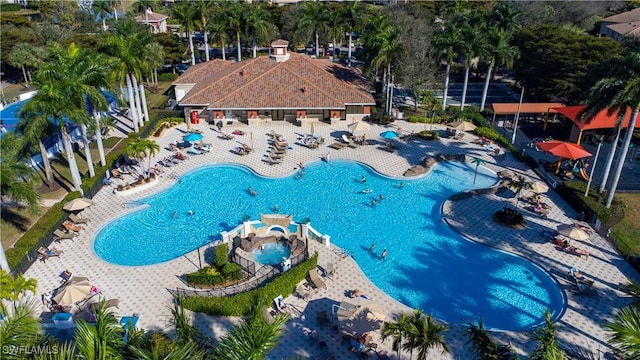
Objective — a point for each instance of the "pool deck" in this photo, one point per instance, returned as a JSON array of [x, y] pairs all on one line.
[[143, 290]]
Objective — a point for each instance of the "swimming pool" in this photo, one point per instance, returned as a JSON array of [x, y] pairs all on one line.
[[429, 266], [271, 254]]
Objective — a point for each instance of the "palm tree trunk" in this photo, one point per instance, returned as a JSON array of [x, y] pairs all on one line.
[[45, 163], [224, 53], [104, 24], [254, 46], [317, 45], [464, 87], [623, 156], [73, 166], [349, 50], [96, 118], [24, 74], [136, 93], [206, 45], [388, 89], [446, 86], [193, 55], [132, 103], [485, 91], [239, 46], [610, 156], [87, 151], [144, 102]]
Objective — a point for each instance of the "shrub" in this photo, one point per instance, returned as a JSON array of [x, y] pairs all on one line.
[[592, 201], [232, 271], [9, 7], [167, 77], [380, 117], [221, 255], [477, 118], [415, 119], [494, 135], [452, 110], [429, 135], [242, 304]]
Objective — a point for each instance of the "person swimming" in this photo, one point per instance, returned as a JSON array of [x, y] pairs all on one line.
[[373, 202], [401, 185], [251, 191], [363, 179], [381, 197], [384, 254], [175, 214], [191, 213], [276, 208], [367, 191], [372, 247]]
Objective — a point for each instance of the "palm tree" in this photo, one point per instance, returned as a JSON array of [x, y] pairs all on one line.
[[352, 19], [474, 40], [185, 13], [478, 161], [141, 6], [505, 16], [102, 8], [35, 129], [203, 12], [447, 42], [19, 58], [257, 23], [499, 52], [547, 348], [252, 340], [518, 185], [218, 29], [397, 331], [625, 332], [313, 21], [425, 334], [154, 56], [234, 13], [15, 175], [483, 347], [104, 340], [139, 148], [15, 288], [19, 329], [618, 91]]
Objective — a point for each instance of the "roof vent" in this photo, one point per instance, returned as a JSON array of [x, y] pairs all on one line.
[[305, 90], [243, 72]]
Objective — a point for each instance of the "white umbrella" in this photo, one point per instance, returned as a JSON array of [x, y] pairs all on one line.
[[78, 204], [539, 188], [359, 126], [376, 311], [572, 232], [462, 126], [72, 293]]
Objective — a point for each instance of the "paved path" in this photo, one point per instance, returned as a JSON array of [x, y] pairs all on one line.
[[143, 289]]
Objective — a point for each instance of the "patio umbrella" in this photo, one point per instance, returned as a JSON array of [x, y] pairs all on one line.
[[572, 232], [563, 149], [376, 311], [72, 292], [313, 128], [192, 137], [359, 127], [360, 323], [539, 188], [462, 126], [389, 134], [78, 204]]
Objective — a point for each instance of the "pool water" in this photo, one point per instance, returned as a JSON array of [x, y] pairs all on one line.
[[271, 254], [428, 266]]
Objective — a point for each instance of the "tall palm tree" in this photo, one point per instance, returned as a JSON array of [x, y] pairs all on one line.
[[154, 56], [396, 331], [446, 42], [19, 329], [483, 347], [499, 52], [313, 22], [257, 23], [15, 175], [625, 332], [518, 185], [336, 25], [252, 340], [618, 91], [102, 8], [425, 334], [234, 13], [218, 28], [474, 40], [478, 161], [102, 340], [141, 6], [352, 19], [547, 348], [203, 14], [35, 128], [186, 14]]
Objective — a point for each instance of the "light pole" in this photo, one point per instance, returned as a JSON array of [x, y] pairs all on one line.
[[515, 123]]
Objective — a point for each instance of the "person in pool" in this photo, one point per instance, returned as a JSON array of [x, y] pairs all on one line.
[[363, 179], [251, 191], [372, 247], [384, 254]]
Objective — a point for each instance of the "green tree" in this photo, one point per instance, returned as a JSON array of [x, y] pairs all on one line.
[[518, 185], [424, 334], [14, 289], [25, 56], [102, 340], [498, 52], [547, 348], [474, 28], [234, 20], [446, 43], [353, 19], [624, 332], [618, 91], [257, 24], [336, 24], [35, 128], [15, 175], [313, 22], [478, 161], [483, 347], [140, 148], [397, 331], [218, 29], [186, 14], [102, 8], [19, 329], [141, 6], [203, 14], [172, 50]]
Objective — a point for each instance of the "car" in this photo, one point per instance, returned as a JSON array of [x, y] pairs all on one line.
[[181, 68]]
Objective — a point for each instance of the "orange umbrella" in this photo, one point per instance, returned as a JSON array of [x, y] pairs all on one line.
[[563, 149]]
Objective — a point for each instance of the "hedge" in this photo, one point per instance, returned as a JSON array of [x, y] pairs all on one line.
[[592, 201], [429, 135], [242, 304], [10, 7], [167, 76], [494, 135], [221, 255]]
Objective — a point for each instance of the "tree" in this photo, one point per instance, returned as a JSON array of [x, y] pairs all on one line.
[[518, 185], [257, 23], [424, 334], [397, 331], [102, 8], [474, 41], [35, 128], [353, 18], [185, 13], [478, 161], [313, 22], [25, 56], [104, 340], [19, 329], [234, 13], [498, 52], [203, 12], [141, 6], [547, 348], [252, 340], [15, 175], [172, 50], [624, 332], [483, 347], [618, 91], [446, 43], [218, 29], [14, 289], [140, 148]]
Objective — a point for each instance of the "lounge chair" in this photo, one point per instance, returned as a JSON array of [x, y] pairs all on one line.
[[194, 151], [78, 220], [315, 279], [345, 139], [71, 226], [93, 307], [337, 146], [329, 271], [271, 161], [59, 235], [302, 293], [275, 135], [45, 253]]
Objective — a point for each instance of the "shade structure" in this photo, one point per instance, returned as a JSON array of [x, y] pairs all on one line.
[[572, 232], [539, 188], [389, 134], [78, 204], [192, 137], [360, 323], [359, 127], [563, 149], [462, 126], [73, 292], [376, 311]]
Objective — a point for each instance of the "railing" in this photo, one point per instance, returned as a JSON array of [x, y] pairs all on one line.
[[251, 284]]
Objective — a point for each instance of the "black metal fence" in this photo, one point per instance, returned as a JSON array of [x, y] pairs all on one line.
[[252, 283]]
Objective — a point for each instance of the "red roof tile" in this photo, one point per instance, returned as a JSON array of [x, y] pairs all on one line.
[[262, 83]]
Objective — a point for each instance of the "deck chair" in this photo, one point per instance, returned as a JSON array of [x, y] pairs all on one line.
[[45, 253], [275, 135], [345, 139], [271, 161], [323, 319], [329, 271], [93, 307], [60, 235], [71, 226], [315, 279], [302, 293], [278, 301], [78, 220]]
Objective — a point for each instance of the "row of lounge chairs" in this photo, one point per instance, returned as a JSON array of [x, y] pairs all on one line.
[[278, 149]]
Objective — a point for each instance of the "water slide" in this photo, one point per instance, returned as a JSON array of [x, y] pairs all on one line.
[[583, 174]]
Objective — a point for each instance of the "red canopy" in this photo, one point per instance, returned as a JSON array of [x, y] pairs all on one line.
[[563, 149], [601, 121]]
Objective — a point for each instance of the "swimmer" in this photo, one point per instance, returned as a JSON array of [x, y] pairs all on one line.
[[363, 179], [372, 247], [401, 185], [327, 157], [381, 197], [261, 247], [384, 254], [276, 208], [175, 213], [366, 191], [191, 213], [251, 191], [373, 202], [301, 165]]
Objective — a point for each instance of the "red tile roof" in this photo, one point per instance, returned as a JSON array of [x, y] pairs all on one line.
[[153, 17], [262, 83]]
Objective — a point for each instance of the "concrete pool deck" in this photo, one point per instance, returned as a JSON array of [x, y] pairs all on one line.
[[144, 290]]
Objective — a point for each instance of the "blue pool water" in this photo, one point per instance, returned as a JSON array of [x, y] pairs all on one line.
[[429, 266], [271, 254]]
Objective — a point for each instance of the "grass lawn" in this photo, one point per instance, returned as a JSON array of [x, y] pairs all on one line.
[[629, 228]]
